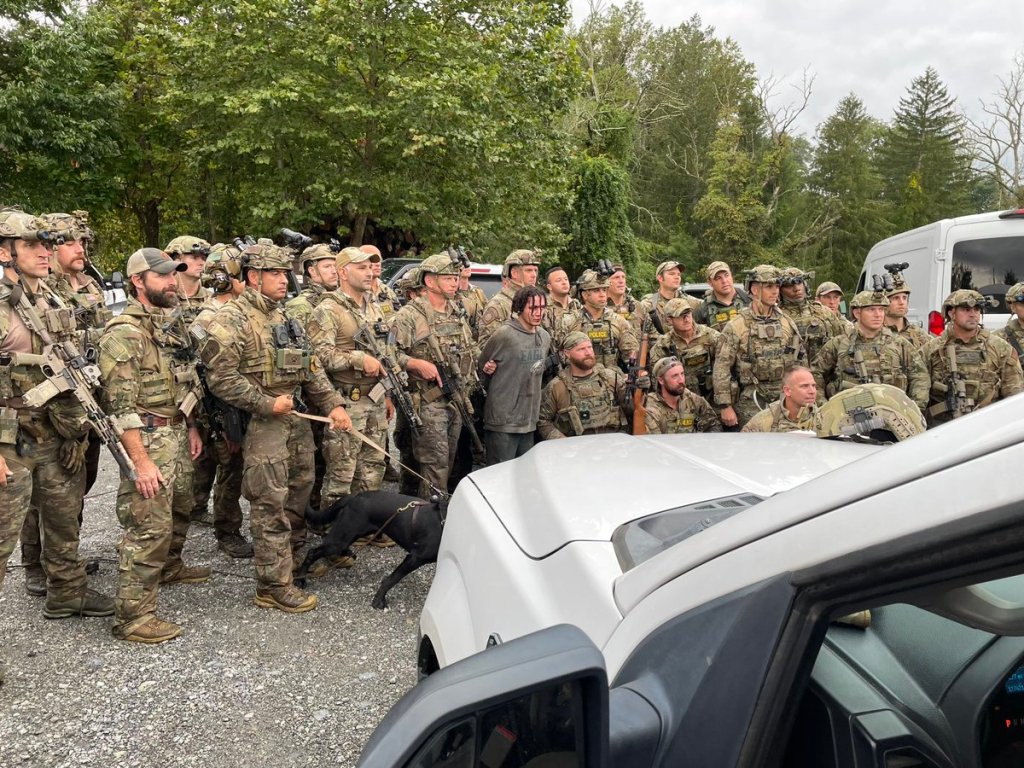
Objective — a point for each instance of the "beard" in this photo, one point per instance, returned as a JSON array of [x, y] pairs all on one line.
[[161, 299], [675, 391], [586, 364]]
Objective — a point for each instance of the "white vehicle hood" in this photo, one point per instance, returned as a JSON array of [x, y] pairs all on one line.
[[583, 488]]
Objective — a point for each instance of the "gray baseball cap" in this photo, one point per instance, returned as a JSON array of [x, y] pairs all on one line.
[[153, 260]]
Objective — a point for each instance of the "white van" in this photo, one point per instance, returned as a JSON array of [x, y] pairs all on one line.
[[984, 252]]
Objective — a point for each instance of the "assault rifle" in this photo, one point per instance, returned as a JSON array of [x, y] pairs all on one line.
[[957, 401], [395, 381], [454, 390], [632, 381], [67, 370]]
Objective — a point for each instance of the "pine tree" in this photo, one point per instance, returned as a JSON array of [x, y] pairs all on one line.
[[924, 159]]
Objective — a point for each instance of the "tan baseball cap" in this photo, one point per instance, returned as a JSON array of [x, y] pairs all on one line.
[[353, 255], [665, 266], [153, 260], [714, 268], [828, 287]]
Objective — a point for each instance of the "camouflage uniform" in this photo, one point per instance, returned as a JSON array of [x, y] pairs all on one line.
[[914, 335], [714, 314], [473, 300], [145, 385], [775, 418], [1013, 334], [614, 339], [852, 359], [692, 414], [552, 322], [434, 448], [753, 353], [583, 405], [30, 442], [499, 308], [655, 302], [986, 366], [1013, 331], [817, 324], [387, 300], [301, 307], [497, 311], [697, 356], [249, 371], [221, 469], [352, 466], [86, 298]]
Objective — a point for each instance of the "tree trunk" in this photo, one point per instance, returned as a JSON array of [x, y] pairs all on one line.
[[358, 228]]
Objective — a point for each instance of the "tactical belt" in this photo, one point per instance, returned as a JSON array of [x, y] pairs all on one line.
[[428, 391], [153, 422]]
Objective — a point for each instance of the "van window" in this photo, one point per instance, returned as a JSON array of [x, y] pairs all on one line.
[[988, 265]]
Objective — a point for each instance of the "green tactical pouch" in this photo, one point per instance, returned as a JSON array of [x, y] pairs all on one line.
[[8, 426], [60, 321], [6, 385], [290, 360]]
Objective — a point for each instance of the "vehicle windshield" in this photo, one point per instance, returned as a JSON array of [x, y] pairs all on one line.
[[389, 267], [988, 265]]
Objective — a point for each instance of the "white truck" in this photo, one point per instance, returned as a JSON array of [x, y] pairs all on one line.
[[984, 252]]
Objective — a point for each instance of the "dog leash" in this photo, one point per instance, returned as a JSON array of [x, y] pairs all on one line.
[[376, 447]]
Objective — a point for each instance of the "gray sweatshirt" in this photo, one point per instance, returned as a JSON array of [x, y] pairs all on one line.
[[513, 390]]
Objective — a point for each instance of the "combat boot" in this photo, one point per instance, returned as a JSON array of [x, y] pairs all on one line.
[[325, 565], [35, 580], [382, 540], [153, 631], [88, 602], [186, 574], [289, 599], [235, 545]]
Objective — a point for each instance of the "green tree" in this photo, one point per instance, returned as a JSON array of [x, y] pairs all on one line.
[[598, 223], [847, 183], [923, 159]]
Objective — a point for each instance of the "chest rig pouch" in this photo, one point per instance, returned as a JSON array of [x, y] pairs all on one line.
[[766, 351], [292, 353], [60, 322]]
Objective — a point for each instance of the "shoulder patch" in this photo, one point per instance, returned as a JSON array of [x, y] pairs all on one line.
[[118, 344]]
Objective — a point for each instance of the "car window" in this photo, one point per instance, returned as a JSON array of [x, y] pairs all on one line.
[[489, 284], [988, 265]]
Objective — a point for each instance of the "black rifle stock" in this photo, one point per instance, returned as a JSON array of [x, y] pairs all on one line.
[[454, 391], [395, 381]]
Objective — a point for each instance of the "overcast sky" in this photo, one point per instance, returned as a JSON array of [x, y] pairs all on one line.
[[872, 48]]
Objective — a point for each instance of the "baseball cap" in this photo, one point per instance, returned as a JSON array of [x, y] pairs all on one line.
[[664, 365], [714, 268], [153, 260], [665, 266], [828, 287], [352, 255]]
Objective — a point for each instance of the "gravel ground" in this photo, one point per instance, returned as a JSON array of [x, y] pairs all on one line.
[[240, 686]]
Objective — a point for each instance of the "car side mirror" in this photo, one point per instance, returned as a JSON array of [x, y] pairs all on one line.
[[539, 700], [115, 281]]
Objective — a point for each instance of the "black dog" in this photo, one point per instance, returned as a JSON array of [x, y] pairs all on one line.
[[414, 524]]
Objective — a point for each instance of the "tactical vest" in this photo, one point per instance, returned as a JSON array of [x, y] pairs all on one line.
[[276, 353], [698, 362], [350, 318], [977, 364], [812, 327], [592, 403], [767, 347], [57, 319], [88, 302], [166, 370], [603, 336], [674, 421], [387, 302], [870, 361], [453, 337]]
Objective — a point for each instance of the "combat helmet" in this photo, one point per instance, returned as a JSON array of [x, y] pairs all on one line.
[[265, 255], [187, 245], [869, 299], [318, 252], [966, 298], [794, 275], [520, 257], [591, 280], [223, 264], [440, 264], [69, 226], [1015, 295], [762, 273], [878, 412], [15, 224], [411, 280]]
